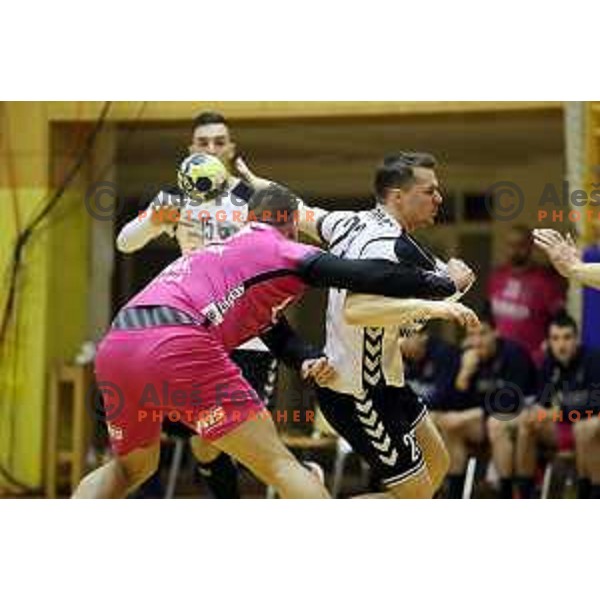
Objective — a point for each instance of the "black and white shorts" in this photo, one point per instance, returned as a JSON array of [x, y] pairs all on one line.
[[380, 428]]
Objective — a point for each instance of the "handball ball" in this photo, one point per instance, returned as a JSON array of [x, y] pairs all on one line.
[[202, 177]]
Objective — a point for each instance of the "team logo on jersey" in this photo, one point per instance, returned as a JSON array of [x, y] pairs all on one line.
[[212, 314], [215, 311]]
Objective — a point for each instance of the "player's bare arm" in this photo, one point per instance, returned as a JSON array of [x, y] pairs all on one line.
[[308, 216], [564, 256], [374, 311], [587, 274], [469, 364]]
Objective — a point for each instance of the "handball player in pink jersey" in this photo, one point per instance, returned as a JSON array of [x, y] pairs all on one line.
[[168, 348]]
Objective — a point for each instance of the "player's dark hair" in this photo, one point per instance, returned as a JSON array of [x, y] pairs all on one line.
[[397, 170], [208, 117], [563, 319], [275, 205]]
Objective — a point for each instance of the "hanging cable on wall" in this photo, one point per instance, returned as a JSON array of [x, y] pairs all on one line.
[[24, 237]]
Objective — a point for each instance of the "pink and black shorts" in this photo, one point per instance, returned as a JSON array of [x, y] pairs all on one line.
[[180, 373]]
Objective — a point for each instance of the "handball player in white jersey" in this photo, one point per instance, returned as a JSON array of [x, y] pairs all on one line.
[[368, 403]]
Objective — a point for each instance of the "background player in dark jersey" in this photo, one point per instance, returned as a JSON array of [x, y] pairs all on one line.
[[488, 364], [565, 257], [430, 367], [566, 415]]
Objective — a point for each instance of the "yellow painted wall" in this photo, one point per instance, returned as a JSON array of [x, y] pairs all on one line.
[[51, 310], [23, 363], [23, 162]]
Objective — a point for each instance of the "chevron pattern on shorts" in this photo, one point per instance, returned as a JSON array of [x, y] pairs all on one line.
[[374, 428], [390, 460], [377, 432], [369, 419], [383, 446], [372, 351]]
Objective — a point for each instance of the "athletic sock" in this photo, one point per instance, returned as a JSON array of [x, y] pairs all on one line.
[[584, 488], [456, 484], [595, 491], [525, 485], [506, 488], [221, 476]]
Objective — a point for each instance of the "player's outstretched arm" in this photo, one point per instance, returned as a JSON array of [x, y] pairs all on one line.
[[374, 311], [564, 256], [308, 216], [408, 292], [243, 171], [145, 227], [587, 274], [374, 276]]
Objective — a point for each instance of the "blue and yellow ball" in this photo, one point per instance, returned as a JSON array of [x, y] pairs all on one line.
[[202, 177]]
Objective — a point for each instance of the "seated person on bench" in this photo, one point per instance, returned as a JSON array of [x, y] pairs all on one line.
[[430, 367], [494, 379], [566, 416]]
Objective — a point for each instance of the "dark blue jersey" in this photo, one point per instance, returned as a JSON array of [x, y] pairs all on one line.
[[493, 384], [432, 378], [571, 387]]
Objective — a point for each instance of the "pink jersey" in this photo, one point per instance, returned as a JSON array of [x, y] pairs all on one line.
[[238, 285], [522, 304]]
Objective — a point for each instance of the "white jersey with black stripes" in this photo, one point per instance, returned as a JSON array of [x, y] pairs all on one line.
[[365, 357]]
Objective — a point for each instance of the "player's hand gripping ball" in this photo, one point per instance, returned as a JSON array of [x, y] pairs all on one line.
[[202, 177]]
